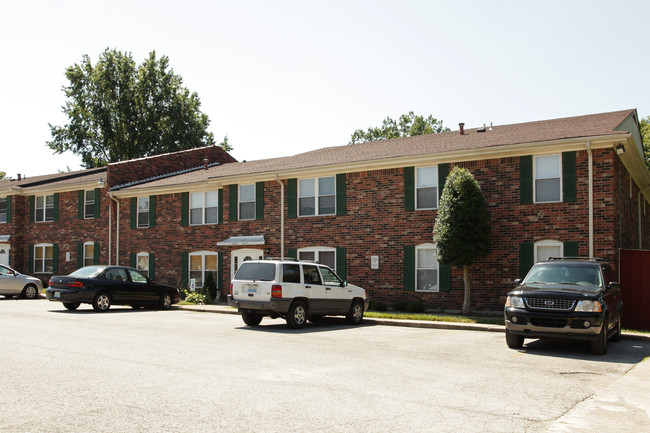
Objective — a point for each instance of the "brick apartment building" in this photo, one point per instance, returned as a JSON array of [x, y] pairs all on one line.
[[574, 186]]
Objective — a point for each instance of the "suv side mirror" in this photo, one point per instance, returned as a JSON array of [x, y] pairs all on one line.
[[614, 285], [344, 284], [517, 281]]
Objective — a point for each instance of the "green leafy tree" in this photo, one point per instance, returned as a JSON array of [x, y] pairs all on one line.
[[462, 229], [117, 111], [3, 176], [645, 134], [408, 125]]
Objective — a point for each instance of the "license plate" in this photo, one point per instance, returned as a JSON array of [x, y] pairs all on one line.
[[250, 288], [57, 294]]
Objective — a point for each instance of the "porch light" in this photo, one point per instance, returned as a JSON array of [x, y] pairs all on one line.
[[620, 149]]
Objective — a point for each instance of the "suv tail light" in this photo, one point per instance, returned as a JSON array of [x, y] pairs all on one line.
[[231, 289], [276, 291]]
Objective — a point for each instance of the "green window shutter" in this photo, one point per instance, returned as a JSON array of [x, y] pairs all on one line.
[[30, 257], [292, 253], [184, 269], [80, 254], [409, 188], [56, 206], [152, 211], [571, 249], [219, 271], [444, 273], [443, 172], [409, 267], [134, 212], [55, 258], [96, 253], [526, 258], [526, 179], [32, 208], [569, 193], [259, 200], [340, 194], [220, 210], [292, 198], [9, 200], [152, 265], [82, 204], [98, 196], [232, 203], [132, 260], [185, 209], [341, 263]]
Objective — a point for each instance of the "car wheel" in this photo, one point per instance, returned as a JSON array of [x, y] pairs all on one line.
[[297, 315], [599, 346], [165, 301], [102, 302], [617, 335], [30, 291], [251, 318], [514, 341], [355, 314], [71, 305]]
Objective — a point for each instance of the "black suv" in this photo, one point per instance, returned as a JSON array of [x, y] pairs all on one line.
[[569, 298]]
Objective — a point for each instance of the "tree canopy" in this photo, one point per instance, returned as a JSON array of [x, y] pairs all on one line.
[[118, 110], [408, 125], [645, 134], [462, 228]]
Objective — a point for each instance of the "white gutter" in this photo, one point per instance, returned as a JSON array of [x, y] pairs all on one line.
[[277, 179], [591, 200], [110, 231]]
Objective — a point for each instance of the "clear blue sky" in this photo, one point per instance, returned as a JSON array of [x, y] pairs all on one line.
[[282, 77]]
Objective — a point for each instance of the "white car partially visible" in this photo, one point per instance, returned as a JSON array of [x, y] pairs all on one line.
[[13, 283]]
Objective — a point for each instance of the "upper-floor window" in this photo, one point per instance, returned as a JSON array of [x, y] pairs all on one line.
[[3, 209], [89, 204], [204, 207], [43, 258], [44, 208], [317, 196], [427, 188], [143, 212], [426, 268], [548, 182], [247, 202]]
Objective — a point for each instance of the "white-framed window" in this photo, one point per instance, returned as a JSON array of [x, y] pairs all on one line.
[[89, 204], [426, 269], [142, 262], [548, 179], [202, 263], [324, 255], [247, 202], [143, 212], [548, 248], [43, 258], [204, 207], [44, 208], [426, 186], [3, 209], [89, 253], [317, 196]]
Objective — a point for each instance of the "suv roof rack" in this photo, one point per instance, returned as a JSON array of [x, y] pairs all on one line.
[[588, 259], [290, 259]]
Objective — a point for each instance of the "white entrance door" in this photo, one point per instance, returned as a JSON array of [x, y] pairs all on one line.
[[4, 254], [243, 255]]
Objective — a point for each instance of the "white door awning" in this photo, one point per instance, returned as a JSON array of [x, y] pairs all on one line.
[[242, 240], [5, 238]]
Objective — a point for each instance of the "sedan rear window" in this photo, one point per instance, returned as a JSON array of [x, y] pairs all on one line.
[[87, 272], [256, 272]]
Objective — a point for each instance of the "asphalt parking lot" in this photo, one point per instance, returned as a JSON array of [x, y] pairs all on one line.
[[183, 370]]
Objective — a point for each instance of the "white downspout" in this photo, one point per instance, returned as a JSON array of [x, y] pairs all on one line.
[[640, 226], [110, 231], [277, 179], [591, 200]]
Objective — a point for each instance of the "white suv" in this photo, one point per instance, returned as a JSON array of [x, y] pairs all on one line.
[[295, 290]]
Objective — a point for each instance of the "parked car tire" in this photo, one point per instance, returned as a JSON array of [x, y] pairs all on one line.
[[355, 314], [297, 315], [514, 341], [251, 318], [102, 302], [599, 346], [165, 301], [71, 305], [30, 291]]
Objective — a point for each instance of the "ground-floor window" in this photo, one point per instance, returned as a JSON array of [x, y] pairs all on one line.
[[323, 255], [548, 248], [202, 263], [43, 258], [426, 268], [142, 263], [89, 253]]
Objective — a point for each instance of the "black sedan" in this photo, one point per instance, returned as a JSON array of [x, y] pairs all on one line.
[[103, 286]]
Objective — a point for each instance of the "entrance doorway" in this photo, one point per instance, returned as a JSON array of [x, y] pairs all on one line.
[[243, 255], [4, 254]]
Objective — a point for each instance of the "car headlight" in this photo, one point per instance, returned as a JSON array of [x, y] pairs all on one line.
[[589, 306], [515, 302]]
